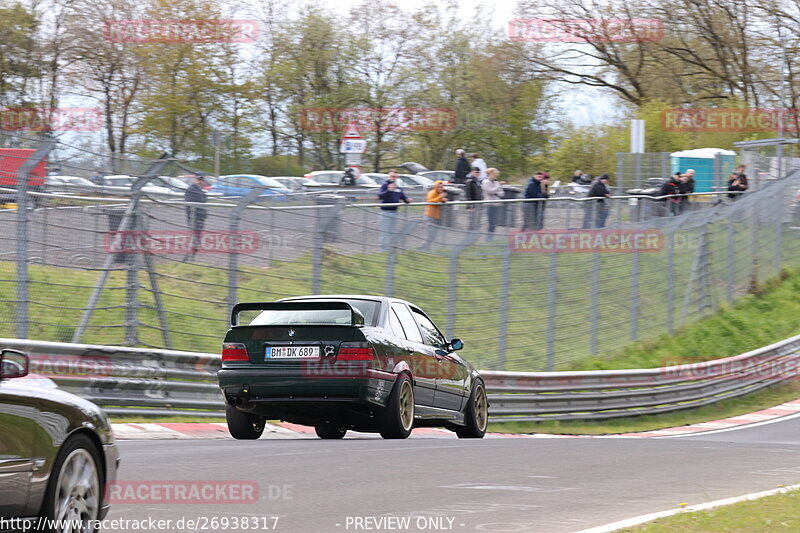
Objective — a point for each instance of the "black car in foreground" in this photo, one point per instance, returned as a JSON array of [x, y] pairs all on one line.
[[366, 363], [57, 452]]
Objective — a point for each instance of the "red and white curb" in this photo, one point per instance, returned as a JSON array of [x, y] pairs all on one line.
[[217, 430]]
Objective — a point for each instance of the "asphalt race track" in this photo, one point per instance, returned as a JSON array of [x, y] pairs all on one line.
[[447, 484]]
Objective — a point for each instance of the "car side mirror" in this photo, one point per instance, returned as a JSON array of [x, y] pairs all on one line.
[[456, 344], [13, 364]]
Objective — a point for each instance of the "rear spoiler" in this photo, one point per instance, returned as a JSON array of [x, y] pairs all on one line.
[[356, 318]]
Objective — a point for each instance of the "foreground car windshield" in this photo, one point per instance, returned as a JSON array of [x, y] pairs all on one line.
[[327, 317]]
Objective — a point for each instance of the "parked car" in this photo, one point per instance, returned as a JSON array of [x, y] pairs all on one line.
[[70, 185], [238, 185], [295, 184], [443, 175], [342, 362], [651, 187], [58, 452], [122, 184], [189, 178], [334, 178]]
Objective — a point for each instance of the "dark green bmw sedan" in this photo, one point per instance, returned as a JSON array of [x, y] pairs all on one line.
[[339, 362]]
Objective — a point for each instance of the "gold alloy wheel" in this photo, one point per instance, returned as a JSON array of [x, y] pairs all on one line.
[[481, 407], [406, 405]]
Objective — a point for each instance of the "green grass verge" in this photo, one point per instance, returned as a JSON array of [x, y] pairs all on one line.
[[763, 399], [772, 514], [769, 314]]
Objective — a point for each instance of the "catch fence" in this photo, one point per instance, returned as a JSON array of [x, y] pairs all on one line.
[[120, 271]]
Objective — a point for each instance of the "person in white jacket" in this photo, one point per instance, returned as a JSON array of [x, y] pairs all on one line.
[[481, 164], [493, 190]]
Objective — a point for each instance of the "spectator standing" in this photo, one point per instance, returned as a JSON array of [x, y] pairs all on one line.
[[531, 218], [433, 212], [597, 210], [738, 182], [391, 178], [474, 192], [390, 193], [576, 176], [687, 187], [195, 215], [672, 188], [493, 190], [462, 168], [480, 164]]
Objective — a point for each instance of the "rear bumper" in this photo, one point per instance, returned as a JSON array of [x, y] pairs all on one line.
[[276, 387]]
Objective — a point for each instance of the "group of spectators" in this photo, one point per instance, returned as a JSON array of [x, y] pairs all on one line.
[[482, 183]]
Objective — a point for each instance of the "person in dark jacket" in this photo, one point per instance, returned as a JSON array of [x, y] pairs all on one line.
[[462, 168], [391, 178], [672, 187], [474, 193], [597, 210], [195, 215], [392, 194], [737, 182], [533, 216]]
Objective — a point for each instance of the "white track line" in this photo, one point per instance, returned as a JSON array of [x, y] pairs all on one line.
[[735, 428], [638, 520]]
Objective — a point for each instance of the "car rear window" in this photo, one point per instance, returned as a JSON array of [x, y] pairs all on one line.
[[368, 308]]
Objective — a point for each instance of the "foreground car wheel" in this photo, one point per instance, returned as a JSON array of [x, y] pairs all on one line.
[[75, 488], [330, 431], [476, 414], [243, 426], [399, 415]]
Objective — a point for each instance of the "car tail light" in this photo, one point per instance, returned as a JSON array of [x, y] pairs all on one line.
[[234, 351], [355, 351]]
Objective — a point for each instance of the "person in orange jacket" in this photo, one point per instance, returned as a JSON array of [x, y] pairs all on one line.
[[437, 195]]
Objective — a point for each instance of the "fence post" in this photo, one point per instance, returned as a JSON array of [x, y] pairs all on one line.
[[452, 283], [233, 257], [24, 171], [504, 288], [671, 282], [125, 224], [551, 311], [778, 213], [731, 261], [635, 295], [594, 311], [132, 298]]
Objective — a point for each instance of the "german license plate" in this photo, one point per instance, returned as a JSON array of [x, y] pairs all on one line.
[[291, 352]]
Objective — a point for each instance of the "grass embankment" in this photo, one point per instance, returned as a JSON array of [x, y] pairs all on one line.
[[771, 313], [772, 514]]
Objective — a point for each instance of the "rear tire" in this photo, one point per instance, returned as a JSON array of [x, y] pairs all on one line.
[[398, 419], [244, 426], [330, 431], [476, 414]]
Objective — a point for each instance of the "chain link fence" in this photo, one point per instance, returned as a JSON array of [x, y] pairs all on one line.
[[136, 270]]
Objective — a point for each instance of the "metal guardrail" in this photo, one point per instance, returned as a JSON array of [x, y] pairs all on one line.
[[134, 381]]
